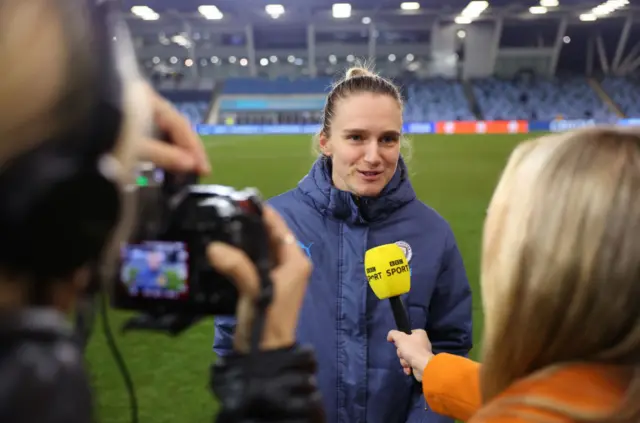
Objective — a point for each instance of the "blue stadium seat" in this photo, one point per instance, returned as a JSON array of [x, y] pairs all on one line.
[[539, 99], [194, 104], [194, 110], [436, 99], [625, 92]]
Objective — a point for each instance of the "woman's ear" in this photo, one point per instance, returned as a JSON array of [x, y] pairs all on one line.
[[325, 145]]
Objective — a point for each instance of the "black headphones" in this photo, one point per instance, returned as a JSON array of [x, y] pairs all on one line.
[[59, 201]]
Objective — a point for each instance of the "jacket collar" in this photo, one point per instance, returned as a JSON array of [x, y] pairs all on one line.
[[318, 190]]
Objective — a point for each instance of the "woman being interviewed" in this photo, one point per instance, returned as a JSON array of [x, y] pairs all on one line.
[[560, 281], [358, 196]]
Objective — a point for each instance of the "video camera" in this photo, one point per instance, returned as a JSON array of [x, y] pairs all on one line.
[[164, 272]]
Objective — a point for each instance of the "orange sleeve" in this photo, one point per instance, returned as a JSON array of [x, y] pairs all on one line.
[[451, 386]]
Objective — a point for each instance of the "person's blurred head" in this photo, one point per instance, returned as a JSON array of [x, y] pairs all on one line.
[[362, 132], [561, 257], [154, 259], [45, 88]]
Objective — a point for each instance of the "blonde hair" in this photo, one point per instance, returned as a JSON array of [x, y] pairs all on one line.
[[357, 71], [358, 79], [560, 260]]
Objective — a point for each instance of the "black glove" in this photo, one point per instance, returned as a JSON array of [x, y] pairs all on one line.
[[270, 386]]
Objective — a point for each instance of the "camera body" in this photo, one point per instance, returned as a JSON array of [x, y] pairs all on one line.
[[164, 268]]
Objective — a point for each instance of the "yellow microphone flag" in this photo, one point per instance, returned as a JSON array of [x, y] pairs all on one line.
[[387, 271]]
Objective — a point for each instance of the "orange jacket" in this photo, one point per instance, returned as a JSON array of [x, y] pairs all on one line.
[[451, 386]]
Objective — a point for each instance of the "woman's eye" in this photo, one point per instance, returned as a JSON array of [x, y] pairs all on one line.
[[355, 137]]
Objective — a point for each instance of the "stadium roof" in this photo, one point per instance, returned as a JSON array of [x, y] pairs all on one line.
[[299, 11]]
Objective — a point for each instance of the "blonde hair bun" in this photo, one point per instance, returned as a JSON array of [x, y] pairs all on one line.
[[358, 71]]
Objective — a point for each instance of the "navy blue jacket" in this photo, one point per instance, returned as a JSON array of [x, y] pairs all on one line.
[[359, 376]]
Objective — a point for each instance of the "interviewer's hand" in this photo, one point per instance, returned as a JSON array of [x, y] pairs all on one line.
[[184, 152], [290, 277], [414, 351]]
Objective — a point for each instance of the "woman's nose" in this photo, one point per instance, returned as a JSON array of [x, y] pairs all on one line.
[[372, 152]]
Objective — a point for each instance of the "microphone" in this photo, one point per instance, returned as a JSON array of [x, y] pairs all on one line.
[[388, 275]]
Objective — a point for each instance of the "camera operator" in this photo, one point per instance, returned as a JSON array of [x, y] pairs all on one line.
[[44, 96], [73, 118]]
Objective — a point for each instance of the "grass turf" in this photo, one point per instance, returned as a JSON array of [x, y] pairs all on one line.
[[455, 174]]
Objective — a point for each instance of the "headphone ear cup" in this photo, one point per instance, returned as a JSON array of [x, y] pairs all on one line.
[[91, 213], [70, 226]]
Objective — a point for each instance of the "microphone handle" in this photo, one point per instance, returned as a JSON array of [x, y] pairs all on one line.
[[400, 315]]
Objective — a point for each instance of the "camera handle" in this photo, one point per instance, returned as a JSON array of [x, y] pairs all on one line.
[[262, 303]]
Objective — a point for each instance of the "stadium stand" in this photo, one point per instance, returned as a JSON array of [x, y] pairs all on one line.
[[271, 101], [436, 99], [195, 111], [539, 99], [277, 86], [300, 101], [625, 93], [566, 64], [194, 104]]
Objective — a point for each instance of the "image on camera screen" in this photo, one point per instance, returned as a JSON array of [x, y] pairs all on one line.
[[156, 269]]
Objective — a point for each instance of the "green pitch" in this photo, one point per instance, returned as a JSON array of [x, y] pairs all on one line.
[[455, 174]]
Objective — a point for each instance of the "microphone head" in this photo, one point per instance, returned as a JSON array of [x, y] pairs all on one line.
[[387, 271]]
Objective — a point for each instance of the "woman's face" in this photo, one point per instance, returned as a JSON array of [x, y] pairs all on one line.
[[364, 144]]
